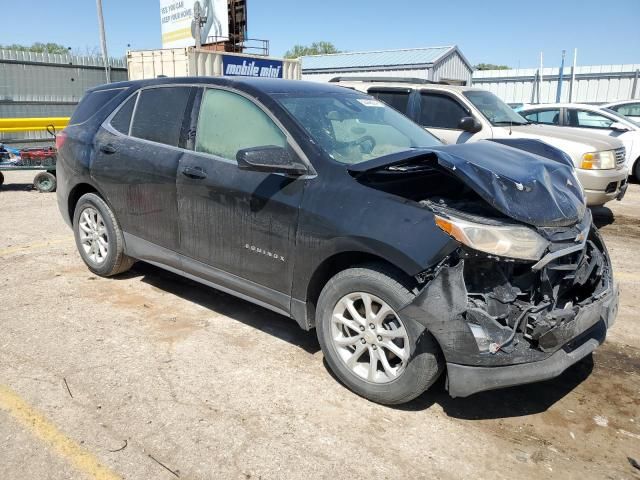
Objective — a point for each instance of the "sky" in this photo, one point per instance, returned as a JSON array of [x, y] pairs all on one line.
[[510, 32]]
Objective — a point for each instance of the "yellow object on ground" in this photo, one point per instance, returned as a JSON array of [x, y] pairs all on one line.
[[31, 124]]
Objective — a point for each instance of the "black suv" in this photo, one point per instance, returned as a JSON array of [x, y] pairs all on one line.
[[321, 203]]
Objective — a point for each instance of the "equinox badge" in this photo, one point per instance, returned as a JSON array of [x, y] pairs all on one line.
[[262, 251]]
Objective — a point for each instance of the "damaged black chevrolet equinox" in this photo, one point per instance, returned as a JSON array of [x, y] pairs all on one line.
[[408, 257]]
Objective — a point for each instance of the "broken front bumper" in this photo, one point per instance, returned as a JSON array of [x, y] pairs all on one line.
[[585, 333], [541, 347]]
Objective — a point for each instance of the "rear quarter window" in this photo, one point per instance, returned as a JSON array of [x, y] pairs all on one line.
[[91, 103], [122, 119]]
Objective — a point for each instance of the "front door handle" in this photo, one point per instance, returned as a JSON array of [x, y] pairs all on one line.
[[195, 173], [108, 149]]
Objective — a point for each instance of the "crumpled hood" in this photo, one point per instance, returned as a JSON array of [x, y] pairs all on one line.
[[524, 186]]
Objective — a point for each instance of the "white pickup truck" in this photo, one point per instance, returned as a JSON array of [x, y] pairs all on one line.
[[464, 114]]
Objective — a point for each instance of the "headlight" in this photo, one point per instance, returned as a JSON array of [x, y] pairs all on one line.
[[599, 160], [506, 241]]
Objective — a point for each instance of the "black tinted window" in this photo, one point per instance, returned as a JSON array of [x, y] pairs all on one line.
[[159, 114], [397, 100], [91, 103], [440, 111], [122, 119]]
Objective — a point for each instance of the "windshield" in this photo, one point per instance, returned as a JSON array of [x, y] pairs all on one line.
[[353, 128], [494, 109]]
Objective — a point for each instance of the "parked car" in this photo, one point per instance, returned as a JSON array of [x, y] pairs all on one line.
[[591, 119], [628, 108], [464, 114], [409, 258]]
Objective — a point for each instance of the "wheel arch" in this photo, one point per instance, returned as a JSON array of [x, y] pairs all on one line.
[[78, 191], [339, 262], [635, 169]]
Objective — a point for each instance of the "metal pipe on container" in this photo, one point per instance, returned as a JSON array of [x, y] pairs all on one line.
[[560, 78], [573, 74]]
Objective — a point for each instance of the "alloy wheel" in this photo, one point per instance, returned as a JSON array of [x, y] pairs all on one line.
[[93, 235], [369, 337]]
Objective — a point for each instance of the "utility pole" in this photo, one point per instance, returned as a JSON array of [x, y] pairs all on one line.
[[103, 41], [198, 22]]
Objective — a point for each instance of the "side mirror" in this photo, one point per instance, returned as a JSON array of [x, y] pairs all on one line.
[[270, 159], [470, 124], [619, 127]]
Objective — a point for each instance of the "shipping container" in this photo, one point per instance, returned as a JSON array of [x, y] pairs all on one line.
[[192, 62]]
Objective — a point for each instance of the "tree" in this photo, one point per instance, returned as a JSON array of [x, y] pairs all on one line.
[[37, 47], [316, 48], [490, 66]]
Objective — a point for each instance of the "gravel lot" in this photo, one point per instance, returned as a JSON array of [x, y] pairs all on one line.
[[149, 375]]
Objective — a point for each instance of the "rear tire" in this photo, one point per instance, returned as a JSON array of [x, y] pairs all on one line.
[[99, 238], [397, 378], [45, 182], [1, 179], [636, 170]]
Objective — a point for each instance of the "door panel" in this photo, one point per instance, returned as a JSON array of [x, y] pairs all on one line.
[[138, 179], [137, 159], [238, 221]]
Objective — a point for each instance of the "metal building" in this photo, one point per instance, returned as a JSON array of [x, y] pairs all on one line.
[[430, 63], [591, 84], [47, 85]]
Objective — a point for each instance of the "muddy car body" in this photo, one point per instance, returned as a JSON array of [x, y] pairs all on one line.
[[325, 205]]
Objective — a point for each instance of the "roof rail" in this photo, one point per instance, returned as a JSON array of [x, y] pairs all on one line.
[[387, 79]]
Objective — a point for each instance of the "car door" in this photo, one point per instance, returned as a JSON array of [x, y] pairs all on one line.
[[441, 113], [237, 224], [137, 156]]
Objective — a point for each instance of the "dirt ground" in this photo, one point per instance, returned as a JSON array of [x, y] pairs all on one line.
[[149, 375]]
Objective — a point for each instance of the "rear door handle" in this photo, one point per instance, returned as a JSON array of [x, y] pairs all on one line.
[[108, 149], [196, 173]]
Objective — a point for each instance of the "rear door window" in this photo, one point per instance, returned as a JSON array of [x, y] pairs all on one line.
[[398, 99], [122, 119], [440, 111], [547, 117], [159, 114], [229, 122], [587, 119], [91, 103]]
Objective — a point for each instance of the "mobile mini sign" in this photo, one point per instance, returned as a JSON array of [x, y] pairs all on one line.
[[251, 67]]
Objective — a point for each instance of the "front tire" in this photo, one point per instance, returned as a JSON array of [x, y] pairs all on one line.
[[367, 345], [99, 238]]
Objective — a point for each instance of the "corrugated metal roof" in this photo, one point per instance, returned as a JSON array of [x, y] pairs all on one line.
[[380, 58], [64, 59]]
